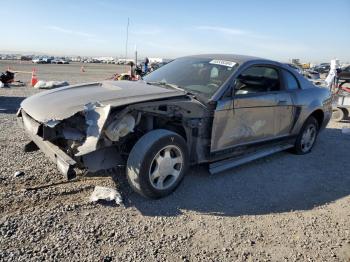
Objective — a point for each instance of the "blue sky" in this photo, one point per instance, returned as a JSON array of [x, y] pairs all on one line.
[[310, 30]]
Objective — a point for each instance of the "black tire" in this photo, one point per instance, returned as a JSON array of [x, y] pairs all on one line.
[[299, 148], [143, 155], [338, 114]]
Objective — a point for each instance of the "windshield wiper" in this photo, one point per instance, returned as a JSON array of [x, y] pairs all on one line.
[[161, 83]]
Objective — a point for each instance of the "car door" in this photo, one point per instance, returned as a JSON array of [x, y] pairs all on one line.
[[286, 110], [249, 115]]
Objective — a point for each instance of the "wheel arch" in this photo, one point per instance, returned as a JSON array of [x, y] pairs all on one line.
[[177, 128], [318, 114]]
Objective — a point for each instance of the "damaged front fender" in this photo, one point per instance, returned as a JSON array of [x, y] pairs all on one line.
[[95, 115]]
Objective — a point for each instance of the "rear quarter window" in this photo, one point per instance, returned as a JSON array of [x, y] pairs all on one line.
[[290, 80]]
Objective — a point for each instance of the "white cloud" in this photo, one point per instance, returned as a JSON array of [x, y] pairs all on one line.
[[224, 30], [68, 31], [147, 32], [252, 43]]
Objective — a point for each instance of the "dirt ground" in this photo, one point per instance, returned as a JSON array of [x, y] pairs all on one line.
[[280, 208], [70, 72]]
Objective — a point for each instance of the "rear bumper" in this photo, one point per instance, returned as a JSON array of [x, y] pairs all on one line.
[[64, 162]]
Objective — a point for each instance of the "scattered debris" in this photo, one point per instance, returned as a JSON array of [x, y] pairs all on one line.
[[17, 83], [345, 131], [19, 173], [106, 193], [6, 78], [50, 84]]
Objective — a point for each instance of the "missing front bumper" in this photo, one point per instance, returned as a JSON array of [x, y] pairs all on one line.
[[65, 164]]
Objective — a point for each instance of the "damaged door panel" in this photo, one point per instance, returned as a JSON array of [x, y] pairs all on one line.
[[243, 119]]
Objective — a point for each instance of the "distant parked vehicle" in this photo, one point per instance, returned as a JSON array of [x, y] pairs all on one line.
[[41, 60], [92, 60], [311, 74], [37, 60], [344, 73], [46, 60], [322, 68], [59, 61], [25, 58]]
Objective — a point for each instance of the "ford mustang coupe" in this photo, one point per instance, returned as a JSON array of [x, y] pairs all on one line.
[[223, 110]]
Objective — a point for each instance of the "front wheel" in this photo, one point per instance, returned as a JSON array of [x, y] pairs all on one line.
[[157, 163], [307, 136]]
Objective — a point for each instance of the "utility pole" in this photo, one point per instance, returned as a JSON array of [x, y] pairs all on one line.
[[126, 42]]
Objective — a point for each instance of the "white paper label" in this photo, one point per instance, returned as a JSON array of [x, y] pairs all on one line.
[[223, 63]]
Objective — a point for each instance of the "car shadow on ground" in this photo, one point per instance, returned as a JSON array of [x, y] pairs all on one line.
[[10, 104], [280, 183]]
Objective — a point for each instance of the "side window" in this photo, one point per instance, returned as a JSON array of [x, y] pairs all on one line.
[[257, 79], [290, 81]]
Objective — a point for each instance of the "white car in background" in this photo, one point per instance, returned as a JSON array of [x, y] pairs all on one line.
[[37, 60], [59, 61]]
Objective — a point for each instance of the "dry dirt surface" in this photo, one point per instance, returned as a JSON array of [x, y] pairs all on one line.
[[280, 208], [72, 73]]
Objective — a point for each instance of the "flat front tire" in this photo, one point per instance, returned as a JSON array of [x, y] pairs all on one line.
[[157, 163]]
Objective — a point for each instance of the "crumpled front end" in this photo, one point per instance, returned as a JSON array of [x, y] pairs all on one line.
[[79, 142], [100, 135], [35, 130]]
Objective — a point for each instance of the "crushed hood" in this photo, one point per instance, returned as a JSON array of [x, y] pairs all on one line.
[[61, 103]]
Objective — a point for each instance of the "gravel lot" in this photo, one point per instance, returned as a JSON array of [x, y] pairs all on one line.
[[71, 72], [280, 208]]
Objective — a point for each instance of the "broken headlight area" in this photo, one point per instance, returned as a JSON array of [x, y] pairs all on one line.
[[68, 134], [121, 127], [96, 138]]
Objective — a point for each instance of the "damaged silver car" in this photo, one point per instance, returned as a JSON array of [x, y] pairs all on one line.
[[223, 110]]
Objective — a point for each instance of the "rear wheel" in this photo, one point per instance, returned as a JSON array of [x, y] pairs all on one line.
[[157, 163], [307, 136]]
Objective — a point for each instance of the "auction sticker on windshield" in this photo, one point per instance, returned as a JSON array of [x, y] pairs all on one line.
[[223, 63]]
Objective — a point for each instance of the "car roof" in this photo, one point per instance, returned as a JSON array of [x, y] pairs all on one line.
[[230, 57]]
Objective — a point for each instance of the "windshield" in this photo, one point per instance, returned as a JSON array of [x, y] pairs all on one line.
[[201, 76]]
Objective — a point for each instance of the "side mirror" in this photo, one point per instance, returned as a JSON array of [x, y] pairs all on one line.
[[236, 89]]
